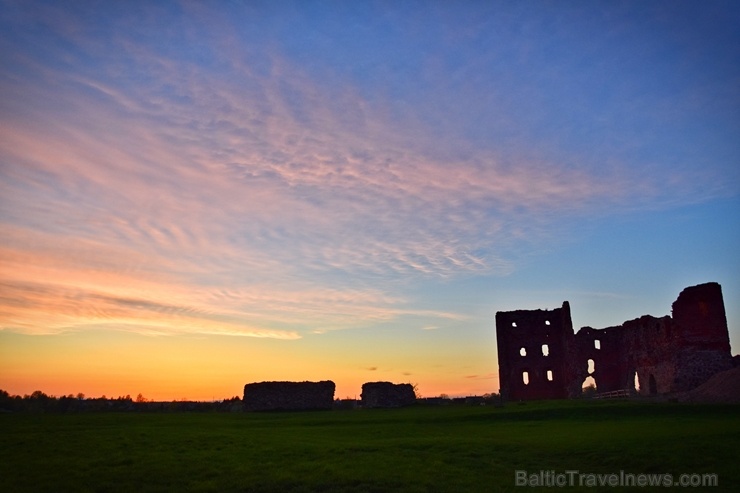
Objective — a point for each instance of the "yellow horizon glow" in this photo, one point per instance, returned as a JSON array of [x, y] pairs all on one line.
[[201, 368]]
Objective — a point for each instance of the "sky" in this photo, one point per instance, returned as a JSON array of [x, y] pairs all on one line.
[[199, 195]]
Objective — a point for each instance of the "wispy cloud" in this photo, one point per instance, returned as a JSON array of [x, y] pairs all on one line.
[[487, 376], [248, 196]]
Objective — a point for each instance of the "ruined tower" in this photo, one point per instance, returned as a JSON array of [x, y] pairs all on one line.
[[534, 347], [700, 324]]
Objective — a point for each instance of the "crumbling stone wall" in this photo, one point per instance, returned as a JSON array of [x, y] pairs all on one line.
[[387, 394], [641, 346], [668, 354], [288, 396]]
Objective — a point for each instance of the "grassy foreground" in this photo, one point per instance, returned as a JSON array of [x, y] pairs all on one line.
[[446, 448]]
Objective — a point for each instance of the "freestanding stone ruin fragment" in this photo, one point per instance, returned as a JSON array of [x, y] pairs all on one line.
[[541, 358], [288, 396], [387, 394]]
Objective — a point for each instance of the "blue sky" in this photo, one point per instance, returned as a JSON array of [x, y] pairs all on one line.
[[354, 187]]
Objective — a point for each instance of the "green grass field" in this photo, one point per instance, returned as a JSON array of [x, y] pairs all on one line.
[[446, 448]]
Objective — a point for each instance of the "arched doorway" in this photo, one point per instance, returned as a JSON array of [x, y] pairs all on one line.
[[588, 388]]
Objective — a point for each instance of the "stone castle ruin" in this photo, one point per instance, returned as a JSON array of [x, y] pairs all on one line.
[[541, 358], [305, 396], [288, 396], [387, 394]]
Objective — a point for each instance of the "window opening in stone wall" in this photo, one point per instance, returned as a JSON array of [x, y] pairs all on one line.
[[545, 350], [597, 344], [637, 383], [547, 322], [523, 352], [549, 375], [513, 324], [591, 366], [525, 377]]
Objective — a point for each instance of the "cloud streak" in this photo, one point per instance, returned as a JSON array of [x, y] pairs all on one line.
[[243, 195]]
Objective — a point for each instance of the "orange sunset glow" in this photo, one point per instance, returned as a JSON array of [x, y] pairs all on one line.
[[195, 196]]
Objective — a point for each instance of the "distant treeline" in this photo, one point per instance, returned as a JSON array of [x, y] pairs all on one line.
[[39, 402]]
